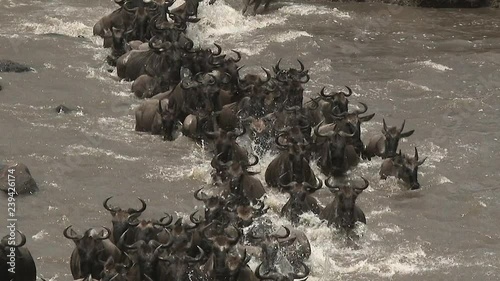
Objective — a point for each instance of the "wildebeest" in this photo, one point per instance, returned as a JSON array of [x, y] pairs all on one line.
[[290, 165], [343, 211], [241, 181], [335, 155], [293, 246], [386, 145], [147, 256], [16, 262], [90, 250], [403, 167], [350, 122], [256, 4], [120, 218], [300, 201], [280, 276], [325, 105]]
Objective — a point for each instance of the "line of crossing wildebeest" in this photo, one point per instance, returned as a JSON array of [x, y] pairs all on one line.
[[200, 93]]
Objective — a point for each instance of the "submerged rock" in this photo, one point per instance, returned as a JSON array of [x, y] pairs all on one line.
[[10, 66], [20, 175], [63, 109]]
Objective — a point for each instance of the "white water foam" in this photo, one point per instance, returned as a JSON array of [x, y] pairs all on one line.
[[435, 66], [220, 20], [77, 149], [303, 10], [58, 26], [290, 35]]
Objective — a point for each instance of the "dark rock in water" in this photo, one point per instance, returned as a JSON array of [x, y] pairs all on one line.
[[10, 66], [20, 175], [63, 109]]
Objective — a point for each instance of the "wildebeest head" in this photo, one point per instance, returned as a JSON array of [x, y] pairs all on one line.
[[337, 101], [182, 234], [392, 136], [6, 244], [291, 75], [141, 11], [333, 155], [290, 83], [225, 263], [120, 217], [297, 204], [89, 248], [214, 205], [225, 143], [115, 271], [346, 196], [147, 230], [350, 122], [168, 118], [271, 244], [242, 212], [277, 276], [183, 267], [408, 168], [146, 255]]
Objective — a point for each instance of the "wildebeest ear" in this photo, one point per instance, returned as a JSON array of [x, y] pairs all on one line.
[[407, 134]]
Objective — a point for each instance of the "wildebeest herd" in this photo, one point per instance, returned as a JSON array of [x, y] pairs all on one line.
[[200, 93]]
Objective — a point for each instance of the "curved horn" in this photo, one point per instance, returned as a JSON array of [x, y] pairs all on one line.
[[306, 80], [277, 141], [196, 259], [304, 274], [365, 108], [23, 240], [416, 154], [255, 162], [323, 94], [302, 68], [402, 126], [196, 222], [350, 92], [287, 234], [268, 76], [329, 185], [288, 186], [107, 207], [317, 133], [219, 49], [130, 220], [197, 195], [167, 223], [312, 189], [238, 54], [65, 233], [366, 184], [385, 125], [106, 235], [277, 67], [266, 276], [142, 209]]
